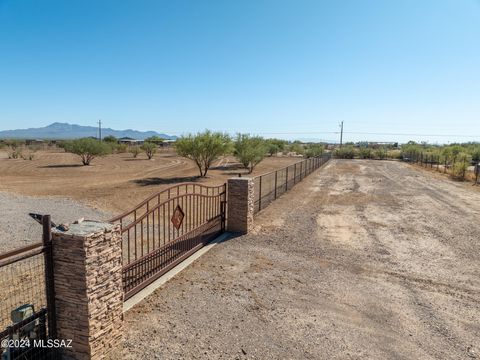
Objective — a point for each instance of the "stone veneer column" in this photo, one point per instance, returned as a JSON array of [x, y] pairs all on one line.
[[88, 289], [240, 204]]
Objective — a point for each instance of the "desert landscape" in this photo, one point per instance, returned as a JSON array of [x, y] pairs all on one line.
[[114, 183]]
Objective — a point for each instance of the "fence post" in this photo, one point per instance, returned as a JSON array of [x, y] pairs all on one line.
[[276, 173], [240, 204], [295, 174], [286, 180], [260, 194], [88, 289], [49, 276]]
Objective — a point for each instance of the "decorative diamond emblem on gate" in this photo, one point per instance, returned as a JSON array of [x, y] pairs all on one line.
[[177, 217]]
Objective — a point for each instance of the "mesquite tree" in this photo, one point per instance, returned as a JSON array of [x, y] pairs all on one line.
[[87, 149], [250, 151], [203, 148]]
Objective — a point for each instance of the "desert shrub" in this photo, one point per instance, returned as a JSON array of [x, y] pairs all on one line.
[[476, 154], [394, 154], [275, 146], [272, 149], [380, 153], [15, 154], [87, 149], [297, 148], [121, 148], [149, 148], [110, 139], [249, 151], [203, 148], [344, 152], [314, 150], [460, 166], [134, 150], [365, 153]]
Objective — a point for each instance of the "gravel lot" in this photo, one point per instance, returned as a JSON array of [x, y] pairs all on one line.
[[362, 260], [17, 229]]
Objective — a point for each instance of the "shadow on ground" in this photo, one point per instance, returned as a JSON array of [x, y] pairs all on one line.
[[60, 166], [162, 181]]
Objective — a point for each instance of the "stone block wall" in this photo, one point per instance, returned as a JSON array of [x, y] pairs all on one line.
[[240, 204], [88, 289]]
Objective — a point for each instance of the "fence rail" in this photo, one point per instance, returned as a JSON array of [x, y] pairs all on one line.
[[268, 187], [27, 300]]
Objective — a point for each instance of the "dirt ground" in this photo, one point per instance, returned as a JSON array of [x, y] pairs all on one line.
[[114, 183], [362, 260]]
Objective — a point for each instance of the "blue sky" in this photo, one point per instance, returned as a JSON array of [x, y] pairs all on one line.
[[286, 68]]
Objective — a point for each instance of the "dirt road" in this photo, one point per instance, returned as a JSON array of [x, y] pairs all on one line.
[[362, 260]]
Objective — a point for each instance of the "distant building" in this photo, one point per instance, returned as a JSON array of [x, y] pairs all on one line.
[[34, 142], [130, 141], [166, 143]]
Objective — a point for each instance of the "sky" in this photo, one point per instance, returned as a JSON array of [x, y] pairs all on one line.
[[392, 70]]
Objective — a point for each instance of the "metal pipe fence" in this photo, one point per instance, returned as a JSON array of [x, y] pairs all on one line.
[[270, 186], [456, 166], [27, 301]]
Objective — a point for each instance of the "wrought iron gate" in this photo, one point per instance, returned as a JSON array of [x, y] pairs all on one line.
[[167, 228]]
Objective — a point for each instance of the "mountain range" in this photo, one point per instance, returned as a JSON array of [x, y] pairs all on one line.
[[71, 131]]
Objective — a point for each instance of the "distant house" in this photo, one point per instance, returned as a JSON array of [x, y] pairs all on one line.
[[167, 143], [34, 142], [130, 141]]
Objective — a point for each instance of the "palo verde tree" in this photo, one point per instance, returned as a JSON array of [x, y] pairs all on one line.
[[149, 148], [249, 150], [203, 148], [87, 149]]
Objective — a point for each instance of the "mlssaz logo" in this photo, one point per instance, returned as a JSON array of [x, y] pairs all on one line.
[[52, 343]]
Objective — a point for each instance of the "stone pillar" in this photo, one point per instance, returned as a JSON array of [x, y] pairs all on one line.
[[88, 289], [240, 204]]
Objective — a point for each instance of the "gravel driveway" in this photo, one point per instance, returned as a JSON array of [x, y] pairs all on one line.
[[17, 229], [362, 260]]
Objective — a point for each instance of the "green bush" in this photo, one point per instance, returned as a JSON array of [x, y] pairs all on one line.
[[344, 152], [150, 149], [380, 153], [365, 153], [87, 149], [314, 150], [249, 151], [297, 148], [120, 148], [110, 139], [203, 148], [134, 150]]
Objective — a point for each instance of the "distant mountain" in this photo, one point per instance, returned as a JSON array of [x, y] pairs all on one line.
[[70, 131]]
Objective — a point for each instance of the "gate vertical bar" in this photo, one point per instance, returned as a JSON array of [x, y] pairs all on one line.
[[49, 280]]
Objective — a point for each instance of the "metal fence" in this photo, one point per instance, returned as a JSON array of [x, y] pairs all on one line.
[[27, 301], [268, 187], [166, 228], [456, 166]]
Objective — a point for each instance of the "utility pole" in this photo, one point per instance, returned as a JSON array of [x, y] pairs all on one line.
[[341, 133], [100, 129]]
